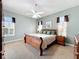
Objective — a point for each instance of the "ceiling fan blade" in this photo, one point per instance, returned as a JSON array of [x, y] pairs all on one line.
[[39, 16], [36, 16], [39, 12], [33, 11]]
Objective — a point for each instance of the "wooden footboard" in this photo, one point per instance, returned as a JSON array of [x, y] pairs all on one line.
[[34, 42]]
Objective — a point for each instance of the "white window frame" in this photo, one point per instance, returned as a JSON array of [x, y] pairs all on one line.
[[9, 28]]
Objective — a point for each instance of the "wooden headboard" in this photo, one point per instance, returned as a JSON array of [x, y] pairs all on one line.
[[52, 30]]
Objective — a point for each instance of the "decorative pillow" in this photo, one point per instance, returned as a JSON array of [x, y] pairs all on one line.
[[44, 32], [52, 32], [39, 32], [48, 32]]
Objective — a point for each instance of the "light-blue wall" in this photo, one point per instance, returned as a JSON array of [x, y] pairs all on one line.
[[23, 25], [73, 24]]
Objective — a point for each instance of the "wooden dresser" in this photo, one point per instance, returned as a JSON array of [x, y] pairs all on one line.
[[60, 40], [76, 47]]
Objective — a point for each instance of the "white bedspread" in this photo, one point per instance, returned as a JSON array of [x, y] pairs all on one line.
[[47, 39]]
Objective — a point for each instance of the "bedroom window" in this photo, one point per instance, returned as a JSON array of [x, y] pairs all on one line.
[[48, 24], [62, 25], [8, 26], [40, 26]]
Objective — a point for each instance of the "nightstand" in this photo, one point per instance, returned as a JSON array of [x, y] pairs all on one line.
[[60, 40]]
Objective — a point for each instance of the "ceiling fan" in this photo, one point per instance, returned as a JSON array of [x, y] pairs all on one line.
[[36, 14]]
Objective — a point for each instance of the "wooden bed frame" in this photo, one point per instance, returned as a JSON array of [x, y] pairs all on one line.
[[35, 41]]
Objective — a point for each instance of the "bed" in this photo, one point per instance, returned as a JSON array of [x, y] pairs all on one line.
[[41, 41]]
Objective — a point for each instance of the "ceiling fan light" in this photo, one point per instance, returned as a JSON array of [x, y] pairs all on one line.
[[33, 11], [35, 16], [40, 13]]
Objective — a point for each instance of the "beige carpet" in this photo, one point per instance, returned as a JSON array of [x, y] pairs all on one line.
[[18, 50]]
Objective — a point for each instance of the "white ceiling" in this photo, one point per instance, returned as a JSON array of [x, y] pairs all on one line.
[[24, 7]]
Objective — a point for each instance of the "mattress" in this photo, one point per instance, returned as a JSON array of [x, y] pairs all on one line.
[[47, 39]]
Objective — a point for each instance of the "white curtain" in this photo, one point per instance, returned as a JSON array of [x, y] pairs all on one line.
[[62, 27], [40, 26]]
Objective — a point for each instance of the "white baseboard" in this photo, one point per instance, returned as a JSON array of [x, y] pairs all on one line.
[[6, 42], [11, 41], [69, 44]]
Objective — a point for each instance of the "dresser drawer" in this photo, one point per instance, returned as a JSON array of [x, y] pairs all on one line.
[[60, 43], [60, 40]]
